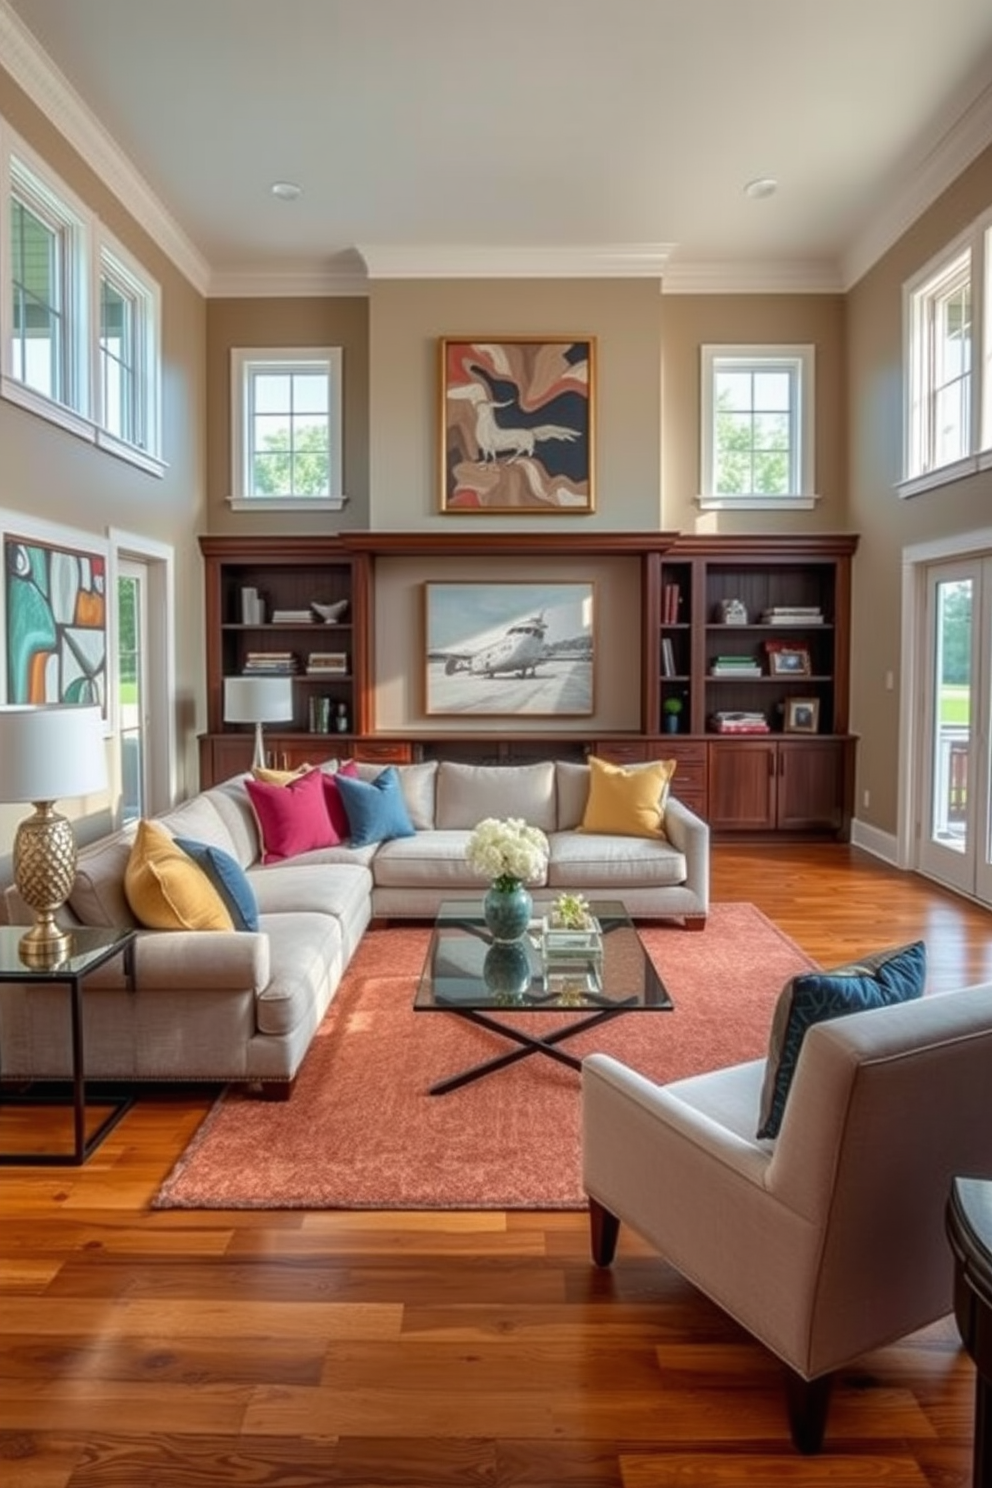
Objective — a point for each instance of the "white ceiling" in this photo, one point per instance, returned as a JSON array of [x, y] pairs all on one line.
[[449, 136]]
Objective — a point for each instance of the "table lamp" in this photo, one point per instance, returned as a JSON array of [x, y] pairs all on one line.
[[48, 752], [258, 700]]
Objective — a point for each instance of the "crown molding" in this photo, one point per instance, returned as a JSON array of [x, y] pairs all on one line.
[[301, 282], [606, 261], [922, 183], [787, 277], [49, 90]]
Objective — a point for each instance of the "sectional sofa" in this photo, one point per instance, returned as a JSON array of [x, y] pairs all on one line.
[[243, 1005]]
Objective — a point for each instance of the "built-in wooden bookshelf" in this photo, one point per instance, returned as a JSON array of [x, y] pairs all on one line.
[[715, 611]]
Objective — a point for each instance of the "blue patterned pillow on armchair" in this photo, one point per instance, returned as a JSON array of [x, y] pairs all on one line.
[[876, 981]]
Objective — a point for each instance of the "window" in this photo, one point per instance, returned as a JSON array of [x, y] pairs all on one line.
[[940, 361], [79, 320], [757, 427], [948, 364], [46, 352], [129, 341], [286, 428]]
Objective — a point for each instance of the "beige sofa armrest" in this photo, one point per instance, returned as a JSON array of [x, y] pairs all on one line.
[[691, 836], [180, 960]]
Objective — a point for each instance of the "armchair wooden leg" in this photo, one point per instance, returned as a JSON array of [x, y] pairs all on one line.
[[604, 1229], [694, 922], [808, 1402]]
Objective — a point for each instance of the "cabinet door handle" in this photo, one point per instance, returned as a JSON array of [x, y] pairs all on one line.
[[781, 764], [771, 762]]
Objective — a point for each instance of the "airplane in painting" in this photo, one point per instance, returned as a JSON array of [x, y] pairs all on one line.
[[518, 650]]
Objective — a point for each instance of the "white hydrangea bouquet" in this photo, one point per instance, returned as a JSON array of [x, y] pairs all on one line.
[[508, 852]]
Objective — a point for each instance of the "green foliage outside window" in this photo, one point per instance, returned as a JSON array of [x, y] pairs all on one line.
[[279, 469]]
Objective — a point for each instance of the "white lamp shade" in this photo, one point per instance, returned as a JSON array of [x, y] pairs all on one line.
[[258, 699], [50, 752]]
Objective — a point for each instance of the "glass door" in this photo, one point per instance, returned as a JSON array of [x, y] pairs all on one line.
[[955, 840]]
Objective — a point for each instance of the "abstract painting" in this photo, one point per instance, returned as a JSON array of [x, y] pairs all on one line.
[[55, 615], [517, 425]]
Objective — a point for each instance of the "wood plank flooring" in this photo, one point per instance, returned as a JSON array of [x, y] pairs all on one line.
[[198, 1350]]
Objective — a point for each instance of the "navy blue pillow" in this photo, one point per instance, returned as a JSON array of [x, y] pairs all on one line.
[[811, 997], [376, 809], [228, 878]]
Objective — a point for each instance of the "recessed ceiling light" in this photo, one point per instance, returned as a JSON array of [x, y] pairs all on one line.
[[762, 186], [286, 190]]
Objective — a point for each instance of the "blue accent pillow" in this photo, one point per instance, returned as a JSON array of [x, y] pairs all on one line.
[[877, 981], [376, 809], [228, 878]]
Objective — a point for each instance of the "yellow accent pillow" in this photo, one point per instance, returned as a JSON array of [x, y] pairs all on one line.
[[627, 800], [279, 777], [166, 889]]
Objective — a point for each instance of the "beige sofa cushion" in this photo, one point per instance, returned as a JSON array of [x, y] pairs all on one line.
[[598, 861], [417, 782], [572, 787], [428, 860], [467, 794]]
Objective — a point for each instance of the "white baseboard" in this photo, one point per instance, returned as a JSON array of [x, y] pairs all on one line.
[[880, 844]]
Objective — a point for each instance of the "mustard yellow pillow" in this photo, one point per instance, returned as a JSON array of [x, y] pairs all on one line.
[[627, 800], [278, 777], [166, 889]]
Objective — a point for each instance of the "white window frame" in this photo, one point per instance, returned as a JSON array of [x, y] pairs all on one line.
[[920, 293], [125, 274], [25, 174], [799, 361], [248, 362], [77, 408]]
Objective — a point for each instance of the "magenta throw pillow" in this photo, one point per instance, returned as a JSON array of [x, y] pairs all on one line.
[[333, 801], [292, 818]]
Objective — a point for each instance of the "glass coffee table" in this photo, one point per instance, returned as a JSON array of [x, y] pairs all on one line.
[[465, 973]]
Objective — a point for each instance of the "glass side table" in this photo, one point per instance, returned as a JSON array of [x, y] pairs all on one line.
[[90, 949]]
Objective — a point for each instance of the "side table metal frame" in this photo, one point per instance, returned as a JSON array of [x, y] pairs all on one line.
[[83, 1146]]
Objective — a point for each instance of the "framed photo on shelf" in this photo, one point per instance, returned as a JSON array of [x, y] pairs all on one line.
[[501, 649], [802, 715], [787, 661], [517, 425]]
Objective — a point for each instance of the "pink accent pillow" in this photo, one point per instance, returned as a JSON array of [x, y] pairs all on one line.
[[292, 818], [333, 801]]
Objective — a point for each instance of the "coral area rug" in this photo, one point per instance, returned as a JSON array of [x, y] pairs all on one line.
[[360, 1130]]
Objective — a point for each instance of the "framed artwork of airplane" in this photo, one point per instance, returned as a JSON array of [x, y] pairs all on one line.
[[505, 649], [517, 429]]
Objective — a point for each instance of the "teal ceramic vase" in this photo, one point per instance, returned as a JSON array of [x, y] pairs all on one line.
[[507, 912], [506, 970]]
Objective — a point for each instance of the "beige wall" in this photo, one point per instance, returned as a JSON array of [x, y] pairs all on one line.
[[50, 474], [406, 321], [288, 322], [689, 322], [399, 661], [887, 524]]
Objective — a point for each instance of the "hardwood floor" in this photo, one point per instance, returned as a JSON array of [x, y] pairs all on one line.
[[195, 1350]]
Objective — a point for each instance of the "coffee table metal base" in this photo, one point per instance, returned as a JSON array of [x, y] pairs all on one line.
[[529, 1044]]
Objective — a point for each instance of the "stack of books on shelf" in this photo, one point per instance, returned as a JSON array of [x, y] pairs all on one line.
[[739, 723], [270, 664], [735, 666], [293, 617], [671, 600], [327, 663], [792, 615]]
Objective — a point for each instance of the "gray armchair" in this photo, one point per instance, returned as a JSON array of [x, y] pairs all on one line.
[[829, 1241]]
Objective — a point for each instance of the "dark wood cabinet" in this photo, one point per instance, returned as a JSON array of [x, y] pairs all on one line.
[[762, 784]]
